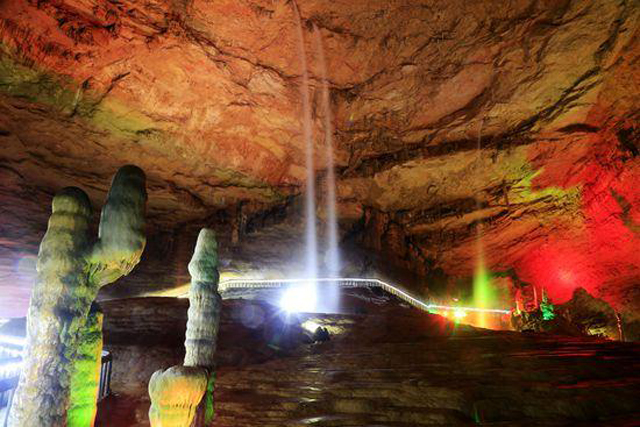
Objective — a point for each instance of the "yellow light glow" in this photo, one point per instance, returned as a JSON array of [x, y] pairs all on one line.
[[310, 326], [459, 314]]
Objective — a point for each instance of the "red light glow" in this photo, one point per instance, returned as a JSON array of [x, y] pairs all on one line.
[[598, 247]]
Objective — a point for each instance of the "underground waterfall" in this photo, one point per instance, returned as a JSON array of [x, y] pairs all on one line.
[[308, 297]]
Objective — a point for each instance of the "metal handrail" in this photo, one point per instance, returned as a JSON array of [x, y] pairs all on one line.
[[106, 368], [350, 282]]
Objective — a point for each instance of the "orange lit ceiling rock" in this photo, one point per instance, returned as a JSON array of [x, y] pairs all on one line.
[[203, 95]]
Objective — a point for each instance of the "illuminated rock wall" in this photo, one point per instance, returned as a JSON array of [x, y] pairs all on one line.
[[521, 117]]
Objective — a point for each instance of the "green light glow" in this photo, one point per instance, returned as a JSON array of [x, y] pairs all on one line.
[[85, 374], [547, 308], [208, 400], [483, 293]]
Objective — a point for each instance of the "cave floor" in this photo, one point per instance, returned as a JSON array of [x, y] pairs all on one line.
[[392, 367]]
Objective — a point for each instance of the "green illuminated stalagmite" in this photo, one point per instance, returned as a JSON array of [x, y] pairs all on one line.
[[70, 271], [85, 376], [191, 409]]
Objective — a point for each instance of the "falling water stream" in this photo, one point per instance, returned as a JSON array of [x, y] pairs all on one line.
[[311, 243], [333, 256], [305, 298], [331, 296]]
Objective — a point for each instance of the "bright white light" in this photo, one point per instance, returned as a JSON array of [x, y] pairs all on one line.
[[10, 370], [10, 339], [299, 299], [10, 352], [310, 326]]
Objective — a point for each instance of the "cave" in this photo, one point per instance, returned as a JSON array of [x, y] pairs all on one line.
[[319, 213]]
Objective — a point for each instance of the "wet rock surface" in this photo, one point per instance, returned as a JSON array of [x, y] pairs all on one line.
[[392, 367]]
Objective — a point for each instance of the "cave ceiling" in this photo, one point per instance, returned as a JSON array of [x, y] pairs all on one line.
[[514, 121]]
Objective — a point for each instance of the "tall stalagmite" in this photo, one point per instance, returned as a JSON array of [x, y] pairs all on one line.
[[70, 272], [204, 317], [200, 345]]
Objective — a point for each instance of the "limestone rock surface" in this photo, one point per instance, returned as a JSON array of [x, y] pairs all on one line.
[[516, 121]]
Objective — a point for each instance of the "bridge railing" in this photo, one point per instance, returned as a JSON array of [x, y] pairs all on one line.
[[351, 282], [104, 388]]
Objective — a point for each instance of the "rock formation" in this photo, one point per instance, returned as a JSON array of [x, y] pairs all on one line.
[[204, 318], [582, 315], [200, 344], [70, 273], [175, 394], [593, 316], [204, 303]]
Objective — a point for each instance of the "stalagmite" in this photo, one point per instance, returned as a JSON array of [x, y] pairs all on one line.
[[204, 302], [204, 317], [200, 345], [55, 312], [69, 274], [173, 393]]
